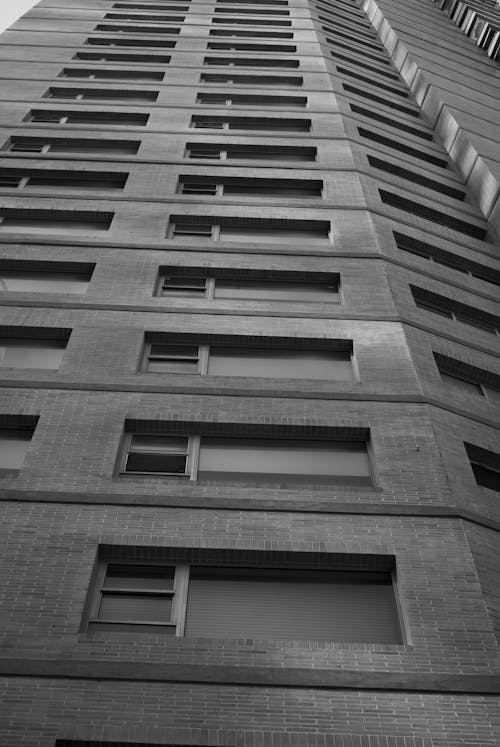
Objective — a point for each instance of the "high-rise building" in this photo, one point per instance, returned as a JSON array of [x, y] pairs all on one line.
[[249, 453]]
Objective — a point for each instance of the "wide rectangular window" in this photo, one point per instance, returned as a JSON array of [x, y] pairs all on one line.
[[246, 601], [29, 220], [324, 289], [239, 186], [249, 47], [124, 119], [271, 362], [110, 74], [227, 152], [463, 377], [61, 179], [129, 29], [251, 80], [266, 460], [236, 99], [86, 94], [32, 352], [155, 59], [267, 124], [31, 277], [459, 312], [72, 145], [266, 62], [251, 229], [116, 41]]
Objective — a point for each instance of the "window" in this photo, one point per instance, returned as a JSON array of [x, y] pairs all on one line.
[[485, 466], [250, 62], [415, 178], [146, 6], [235, 186], [455, 310], [227, 151], [149, 17], [23, 219], [391, 143], [242, 47], [251, 21], [351, 36], [353, 61], [259, 34], [268, 124], [117, 42], [254, 11], [390, 122], [236, 99], [111, 74], [51, 116], [272, 359], [52, 179], [20, 144], [16, 432], [129, 29], [155, 59], [436, 216], [256, 602], [278, 461], [380, 100], [353, 48], [33, 352], [250, 229], [251, 80], [448, 259], [271, 286], [463, 377], [44, 277], [85, 94], [372, 82], [253, 2]]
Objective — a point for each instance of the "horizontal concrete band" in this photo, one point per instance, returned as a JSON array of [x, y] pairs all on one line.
[[310, 505], [487, 684]]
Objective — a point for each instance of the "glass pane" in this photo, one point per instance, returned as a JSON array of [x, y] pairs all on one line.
[[31, 353], [275, 291], [172, 366], [314, 459], [466, 386], [135, 608], [486, 326], [314, 606], [157, 463], [43, 282], [141, 577], [243, 233], [176, 351], [289, 364], [41, 224], [486, 477], [160, 444], [184, 285], [13, 446]]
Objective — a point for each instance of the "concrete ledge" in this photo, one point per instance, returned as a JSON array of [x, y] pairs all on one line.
[[253, 676]]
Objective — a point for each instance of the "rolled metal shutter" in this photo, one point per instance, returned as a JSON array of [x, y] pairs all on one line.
[[286, 604]]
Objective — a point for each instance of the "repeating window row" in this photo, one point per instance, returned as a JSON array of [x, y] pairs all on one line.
[[183, 453]]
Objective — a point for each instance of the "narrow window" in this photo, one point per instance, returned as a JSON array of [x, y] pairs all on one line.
[[485, 466], [26, 220]]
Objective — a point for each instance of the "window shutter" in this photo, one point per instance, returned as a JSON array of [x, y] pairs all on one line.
[[286, 604]]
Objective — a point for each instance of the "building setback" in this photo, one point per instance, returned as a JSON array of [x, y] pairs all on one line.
[[249, 453]]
